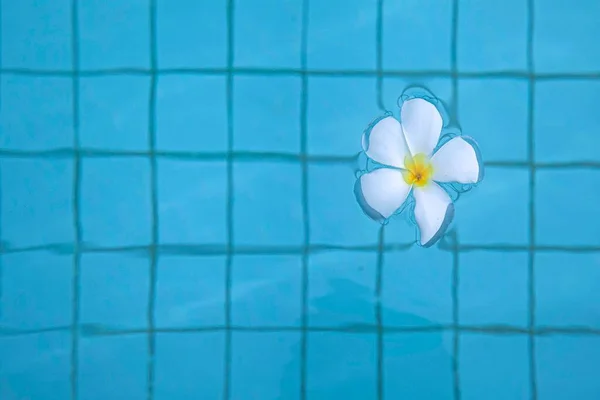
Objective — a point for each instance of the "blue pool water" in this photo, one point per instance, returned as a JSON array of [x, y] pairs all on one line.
[[177, 218]]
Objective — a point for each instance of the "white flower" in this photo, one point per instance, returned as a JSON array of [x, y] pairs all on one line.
[[405, 150]]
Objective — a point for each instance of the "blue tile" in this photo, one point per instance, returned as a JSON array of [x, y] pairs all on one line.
[[502, 201], [191, 34], [277, 378], [339, 110], [568, 366], [573, 47], [492, 36], [191, 113], [266, 113], [114, 112], [114, 34], [336, 372], [393, 88], [342, 34], [36, 366], [567, 289], [190, 291], [259, 282], [418, 365], [37, 112], [36, 34], [335, 216], [565, 125], [192, 202], [113, 367], [114, 290], [417, 35], [565, 203], [493, 288], [417, 287], [341, 288], [35, 190], [494, 367], [494, 112], [267, 33], [115, 201], [267, 208], [400, 231], [36, 290], [199, 359]]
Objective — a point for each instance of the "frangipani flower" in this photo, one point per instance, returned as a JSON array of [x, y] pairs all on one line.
[[409, 161]]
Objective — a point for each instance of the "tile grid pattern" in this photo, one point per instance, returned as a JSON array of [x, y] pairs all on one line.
[[154, 249]]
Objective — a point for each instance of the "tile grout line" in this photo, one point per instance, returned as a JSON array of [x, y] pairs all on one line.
[[455, 253], [381, 234], [76, 282], [532, 176], [154, 200], [1, 245], [506, 74], [95, 330], [230, 193], [305, 208], [379, 55]]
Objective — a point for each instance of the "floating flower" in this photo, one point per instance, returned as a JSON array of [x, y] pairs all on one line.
[[413, 160]]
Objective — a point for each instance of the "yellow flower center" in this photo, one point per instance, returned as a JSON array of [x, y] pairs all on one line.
[[418, 170]]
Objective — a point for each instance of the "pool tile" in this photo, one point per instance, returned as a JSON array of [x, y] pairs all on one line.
[[36, 366], [342, 34], [494, 367], [192, 202], [494, 112], [112, 367], [114, 112], [189, 365], [115, 201], [266, 290], [418, 365], [191, 113], [114, 34], [417, 287], [36, 34], [341, 366], [267, 208], [502, 201], [51, 180], [341, 288], [267, 33], [566, 202], [567, 289], [191, 34], [565, 127], [190, 291], [417, 35], [36, 113], [114, 290], [335, 216], [265, 365], [492, 36], [266, 114], [36, 290], [339, 110], [573, 47], [493, 288], [568, 366], [394, 86]]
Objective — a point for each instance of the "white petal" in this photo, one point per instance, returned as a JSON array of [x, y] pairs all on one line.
[[457, 161], [422, 125], [381, 192], [385, 143], [433, 212]]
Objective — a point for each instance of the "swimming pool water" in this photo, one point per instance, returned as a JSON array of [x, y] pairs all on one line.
[[177, 218]]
